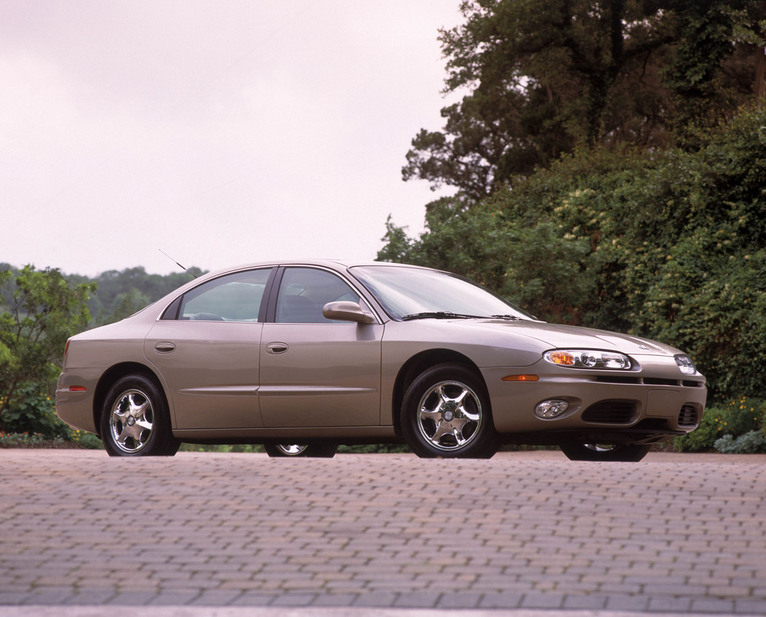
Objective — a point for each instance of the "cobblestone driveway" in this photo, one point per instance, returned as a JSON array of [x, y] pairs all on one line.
[[675, 533]]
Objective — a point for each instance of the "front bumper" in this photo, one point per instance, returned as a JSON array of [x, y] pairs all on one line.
[[645, 405]]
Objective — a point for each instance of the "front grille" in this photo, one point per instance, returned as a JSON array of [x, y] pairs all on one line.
[[688, 416], [611, 412], [618, 379], [656, 381], [649, 381]]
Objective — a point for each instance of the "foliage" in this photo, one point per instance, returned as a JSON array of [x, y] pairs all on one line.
[[37, 440], [85, 440], [538, 79], [34, 412], [28, 440], [377, 448], [119, 294], [40, 310], [752, 442], [239, 448], [735, 419]]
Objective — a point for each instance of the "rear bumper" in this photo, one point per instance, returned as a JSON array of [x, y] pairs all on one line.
[[74, 398]]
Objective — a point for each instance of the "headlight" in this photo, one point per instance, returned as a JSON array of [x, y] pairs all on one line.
[[686, 365], [588, 358]]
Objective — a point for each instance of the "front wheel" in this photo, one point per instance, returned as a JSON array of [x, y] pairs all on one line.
[[446, 413], [313, 450], [625, 453], [135, 420]]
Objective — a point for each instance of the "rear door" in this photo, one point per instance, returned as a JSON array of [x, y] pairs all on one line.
[[207, 349]]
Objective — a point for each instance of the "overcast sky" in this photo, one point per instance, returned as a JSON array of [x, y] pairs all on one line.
[[221, 132]]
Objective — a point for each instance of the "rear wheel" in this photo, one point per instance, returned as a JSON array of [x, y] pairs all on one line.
[[626, 453], [446, 413], [314, 450], [135, 420]]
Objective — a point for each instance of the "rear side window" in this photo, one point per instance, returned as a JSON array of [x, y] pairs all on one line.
[[234, 297]]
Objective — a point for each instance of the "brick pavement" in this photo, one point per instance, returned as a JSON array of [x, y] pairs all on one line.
[[675, 533]]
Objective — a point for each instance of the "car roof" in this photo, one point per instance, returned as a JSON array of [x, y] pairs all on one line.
[[329, 263]]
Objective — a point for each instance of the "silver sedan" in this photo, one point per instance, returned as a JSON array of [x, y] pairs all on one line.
[[303, 356]]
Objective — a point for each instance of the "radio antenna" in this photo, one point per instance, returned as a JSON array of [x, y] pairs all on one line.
[[175, 262]]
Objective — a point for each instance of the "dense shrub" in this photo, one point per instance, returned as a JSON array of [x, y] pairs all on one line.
[[752, 442], [728, 423], [33, 411]]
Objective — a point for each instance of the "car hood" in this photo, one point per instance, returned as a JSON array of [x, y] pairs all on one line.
[[557, 335], [543, 335]]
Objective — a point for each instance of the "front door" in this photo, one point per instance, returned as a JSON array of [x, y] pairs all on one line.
[[316, 372]]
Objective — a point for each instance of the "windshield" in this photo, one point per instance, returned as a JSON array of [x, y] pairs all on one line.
[[411, 293]]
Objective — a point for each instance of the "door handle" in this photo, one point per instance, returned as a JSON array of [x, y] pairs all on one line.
[[165, 346], [275, 348]]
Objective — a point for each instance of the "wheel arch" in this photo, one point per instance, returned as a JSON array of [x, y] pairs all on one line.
[[419, 363], [111, 376]]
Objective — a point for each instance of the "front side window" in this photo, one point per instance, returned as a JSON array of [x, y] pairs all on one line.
[[304, 292], [234, 297]]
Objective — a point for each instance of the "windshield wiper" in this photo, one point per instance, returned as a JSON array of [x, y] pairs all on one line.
[[439, 315], [506, 317]]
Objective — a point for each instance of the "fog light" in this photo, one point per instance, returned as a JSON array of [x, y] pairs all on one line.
[[551, 409]]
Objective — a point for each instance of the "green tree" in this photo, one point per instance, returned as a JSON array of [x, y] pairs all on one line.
[[540, 78], [128, 303], [40, 310], [122, 293], [717, 64]]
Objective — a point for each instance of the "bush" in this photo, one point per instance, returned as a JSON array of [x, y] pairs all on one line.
[[83, 439], [752, 442], [27, 440], [34, 412], [739, 417]]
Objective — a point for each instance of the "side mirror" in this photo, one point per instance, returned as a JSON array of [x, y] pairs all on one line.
[[347, 311]]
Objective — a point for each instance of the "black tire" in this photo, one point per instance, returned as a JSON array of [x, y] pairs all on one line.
[[135, 419], [446, 413], [624, 453], [312, 450]]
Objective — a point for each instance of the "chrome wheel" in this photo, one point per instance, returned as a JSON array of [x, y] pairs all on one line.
[[135, 420], [311, 450], [600, 447], [446, 412], [131, 421], [292, 449], [627, 453], [450, 415]]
